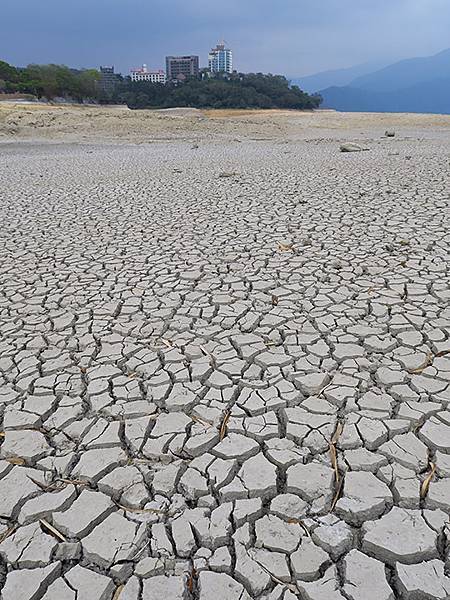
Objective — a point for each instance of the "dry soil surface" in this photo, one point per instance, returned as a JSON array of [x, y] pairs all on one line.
[[224, 355]]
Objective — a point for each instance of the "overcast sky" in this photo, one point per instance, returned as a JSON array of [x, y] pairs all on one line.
[[292, 37]]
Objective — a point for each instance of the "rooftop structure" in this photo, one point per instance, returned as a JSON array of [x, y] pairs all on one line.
[[179, 68], [144, 74], [108, 79], [220, 59]]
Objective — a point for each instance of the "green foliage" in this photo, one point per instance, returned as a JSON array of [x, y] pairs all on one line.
[[50, 81], [253, 90], [235, 91]]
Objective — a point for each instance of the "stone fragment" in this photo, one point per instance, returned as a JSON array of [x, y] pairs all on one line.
[[249, 572], [95, 464], [365, 578], [407, 450], [89, 584], [132, 589], [277, 535], [259, 477], [59, 590], [246, 510], [273, 562], [163, 586], [68, 551], [439, 494], [235, 445], [29, 584], [221, 560], [335, 538], [149, 567], [289, 506], [27, 444], [89, 509], [313, 482], [402, 535], [213, 586], [308, 561], [115, 539], [28, 547], [47, 503], [365, 498], [326, 588], [436, 434], [424, 581], [15, 487]]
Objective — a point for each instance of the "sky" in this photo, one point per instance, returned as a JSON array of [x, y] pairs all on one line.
[[289, 37]]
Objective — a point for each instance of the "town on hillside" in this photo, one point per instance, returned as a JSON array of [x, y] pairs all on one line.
[[178, 69]]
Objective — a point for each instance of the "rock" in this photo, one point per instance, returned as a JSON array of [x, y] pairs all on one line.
[[68, 551], [402, 535], [365, 498], [277, 535], [161, 586], [235, 445], [308, 561], [132, 590], [313, 483], [249, 572], [89, 509], [326, 588], [47, 503], [15, 487], [351, 147], [365, 578], [259, 476], [273, 562], [115, 539], [28, 547], [288, 506], [27, 444], [213, 586], [30, 584], [89, 584], [59, 590], [335, 538], [424, 581]]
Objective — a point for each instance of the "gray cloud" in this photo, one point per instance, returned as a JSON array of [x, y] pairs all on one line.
[[289, 36]]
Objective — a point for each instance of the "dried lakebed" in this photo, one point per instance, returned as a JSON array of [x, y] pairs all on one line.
[[225, 371]]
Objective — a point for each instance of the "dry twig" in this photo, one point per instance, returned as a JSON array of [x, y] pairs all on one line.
[[57, 534], [223, 426], [426, 482]]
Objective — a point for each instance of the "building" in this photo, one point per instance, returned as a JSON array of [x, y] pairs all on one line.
[[181, 67], [220, 59], [108, 79], [144, 74]]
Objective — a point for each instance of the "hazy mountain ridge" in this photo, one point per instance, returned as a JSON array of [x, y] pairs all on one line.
[[412, 85], [335, 77]]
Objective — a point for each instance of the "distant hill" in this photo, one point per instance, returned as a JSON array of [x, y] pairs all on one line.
[[426, 97], [405, 73], [340, 77], [413, 85]]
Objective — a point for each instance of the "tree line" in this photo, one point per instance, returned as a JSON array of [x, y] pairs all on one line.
[[51, 81], [253, 90], [234, 91]]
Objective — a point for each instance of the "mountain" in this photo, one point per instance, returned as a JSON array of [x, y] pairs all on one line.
[[426, 97], [414, 85], [337, 77], [405, 73]]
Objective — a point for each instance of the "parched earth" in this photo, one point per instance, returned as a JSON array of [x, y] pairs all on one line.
[[225, 368]]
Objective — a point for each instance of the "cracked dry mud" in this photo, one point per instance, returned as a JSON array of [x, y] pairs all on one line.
[[225, 387]]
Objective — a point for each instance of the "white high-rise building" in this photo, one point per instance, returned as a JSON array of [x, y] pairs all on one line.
[[220, 59], [144, 74]]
